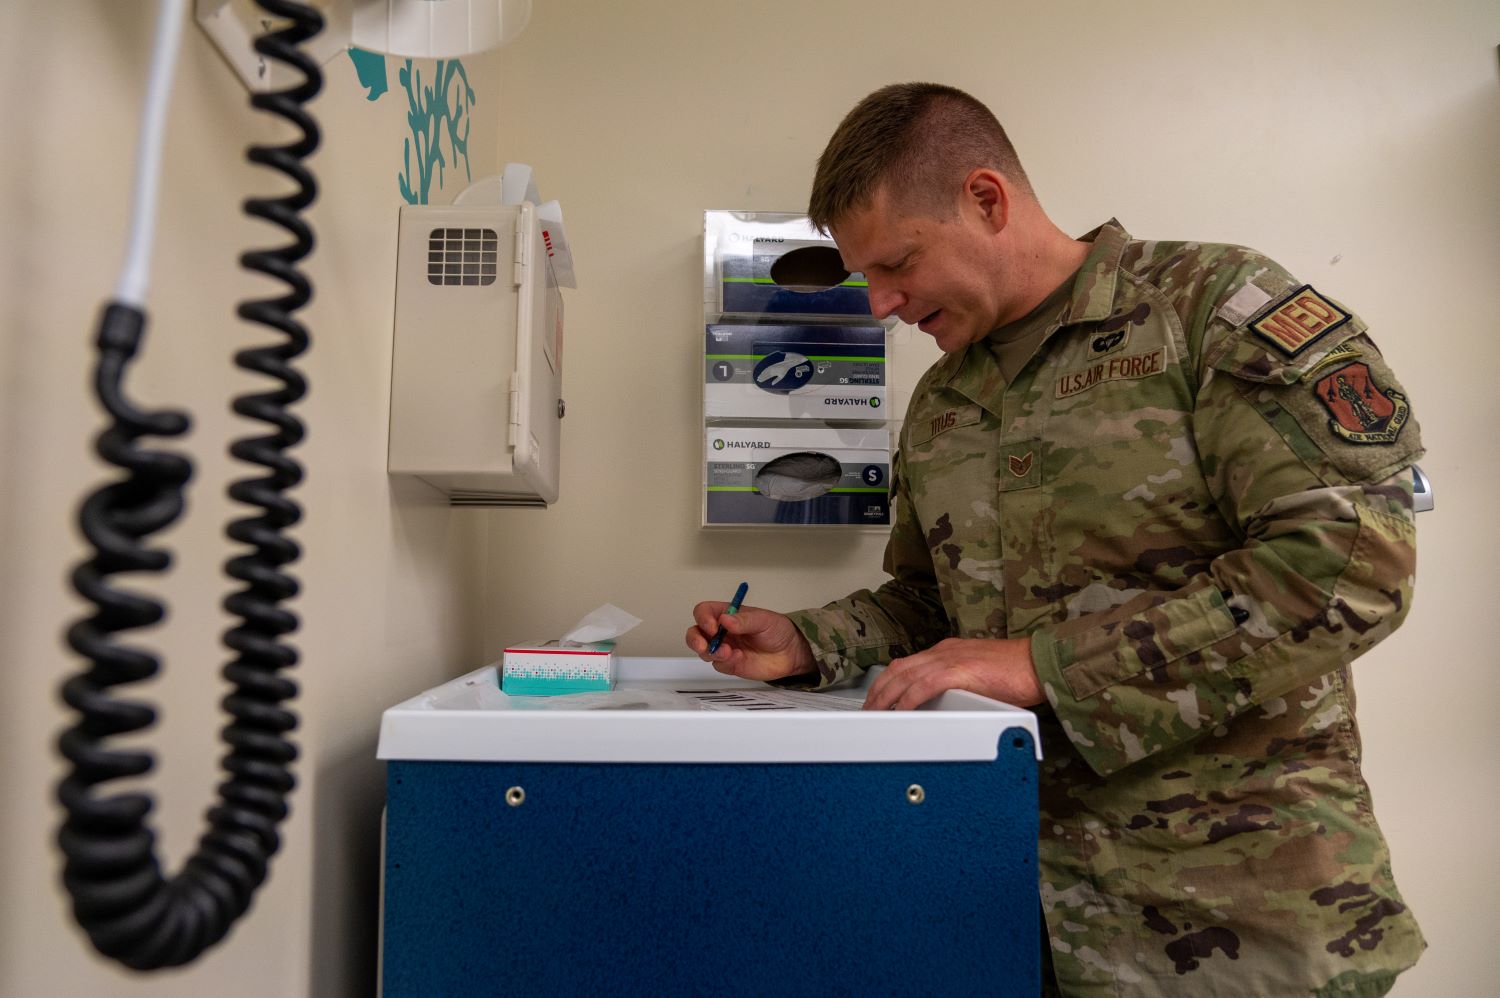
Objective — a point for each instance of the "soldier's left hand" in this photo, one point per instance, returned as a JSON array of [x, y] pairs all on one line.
[[999, 668]]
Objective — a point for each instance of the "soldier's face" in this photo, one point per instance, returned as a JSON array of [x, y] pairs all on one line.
[[931, 273]]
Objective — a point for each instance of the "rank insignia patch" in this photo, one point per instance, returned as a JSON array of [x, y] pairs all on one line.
[[1021, 465], [1298, 320], [1362, 411]]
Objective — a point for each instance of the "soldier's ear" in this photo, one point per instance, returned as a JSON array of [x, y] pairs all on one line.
[[987, 193]]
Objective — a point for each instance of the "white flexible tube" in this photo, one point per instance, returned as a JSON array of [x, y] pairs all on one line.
[[136, 272]]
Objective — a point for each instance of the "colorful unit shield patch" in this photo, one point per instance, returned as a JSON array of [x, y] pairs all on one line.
[[1363, 412]]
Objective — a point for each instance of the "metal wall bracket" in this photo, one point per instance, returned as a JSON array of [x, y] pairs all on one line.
[[233, 26]]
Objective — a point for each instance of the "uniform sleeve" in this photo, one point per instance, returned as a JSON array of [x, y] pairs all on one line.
[[1307, 458], [871, 627]]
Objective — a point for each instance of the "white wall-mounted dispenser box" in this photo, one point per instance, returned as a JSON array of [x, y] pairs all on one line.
[[792, 371], [776, 263], [476, 372], [786, 474]]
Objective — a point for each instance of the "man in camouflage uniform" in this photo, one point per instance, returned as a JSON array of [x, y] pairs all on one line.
[[1160, 492]]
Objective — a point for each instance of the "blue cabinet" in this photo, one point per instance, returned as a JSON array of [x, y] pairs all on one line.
[[791, 870]]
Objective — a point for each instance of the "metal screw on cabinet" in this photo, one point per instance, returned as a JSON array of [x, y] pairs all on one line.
[[561, 409], [515, 796], [915, 793]]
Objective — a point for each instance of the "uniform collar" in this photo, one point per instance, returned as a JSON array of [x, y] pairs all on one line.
[[1098, 279], [974, 372]]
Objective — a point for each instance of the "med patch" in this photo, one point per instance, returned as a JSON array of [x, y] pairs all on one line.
[[1299, 319]]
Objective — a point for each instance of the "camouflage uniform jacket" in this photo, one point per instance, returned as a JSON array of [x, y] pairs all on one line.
[[1195, 499]]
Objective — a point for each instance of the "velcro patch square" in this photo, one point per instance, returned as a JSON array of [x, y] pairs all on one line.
[[1301, 318]]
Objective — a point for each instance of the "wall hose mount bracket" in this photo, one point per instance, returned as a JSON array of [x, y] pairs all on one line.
[[431, 29]]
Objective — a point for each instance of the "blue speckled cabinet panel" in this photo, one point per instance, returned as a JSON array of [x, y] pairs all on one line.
[[687, 879]]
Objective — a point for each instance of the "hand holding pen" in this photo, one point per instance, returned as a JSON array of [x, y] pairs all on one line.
[[748, 642]]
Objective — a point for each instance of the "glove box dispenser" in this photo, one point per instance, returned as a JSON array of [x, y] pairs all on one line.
[[794, 380], [476, 371]]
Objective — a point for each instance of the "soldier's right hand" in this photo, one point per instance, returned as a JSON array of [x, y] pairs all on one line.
[[758, 644]]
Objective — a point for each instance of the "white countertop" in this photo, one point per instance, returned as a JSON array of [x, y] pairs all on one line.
[[664, 710]]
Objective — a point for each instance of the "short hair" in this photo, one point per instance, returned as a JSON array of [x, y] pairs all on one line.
[[920, 140]]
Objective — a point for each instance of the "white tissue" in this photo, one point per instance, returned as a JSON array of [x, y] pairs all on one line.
[[517, 184], [603, 624]]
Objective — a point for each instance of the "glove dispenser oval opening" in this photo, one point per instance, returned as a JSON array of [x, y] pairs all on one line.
[[798, 477], [809, 269]]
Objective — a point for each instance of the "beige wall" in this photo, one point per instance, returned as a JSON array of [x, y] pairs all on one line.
[[392, 580], [1356, 142]]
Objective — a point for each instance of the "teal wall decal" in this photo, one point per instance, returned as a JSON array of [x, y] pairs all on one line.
[[434, 113], [371, 69]]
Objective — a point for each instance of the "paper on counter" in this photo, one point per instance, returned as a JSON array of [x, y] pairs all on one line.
[[740, 698], [737, 698]]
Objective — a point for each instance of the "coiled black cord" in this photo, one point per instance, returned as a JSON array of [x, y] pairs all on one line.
[[129, 910]]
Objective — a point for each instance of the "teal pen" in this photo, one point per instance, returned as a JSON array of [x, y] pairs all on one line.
[[734, 607]]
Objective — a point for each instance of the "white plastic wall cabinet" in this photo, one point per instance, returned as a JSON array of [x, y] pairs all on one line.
[[476, 373]]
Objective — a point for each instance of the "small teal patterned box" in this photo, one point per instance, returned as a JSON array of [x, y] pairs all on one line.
[[555, 667]]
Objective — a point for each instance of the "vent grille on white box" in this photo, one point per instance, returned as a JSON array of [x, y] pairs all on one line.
[[462, 256]]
